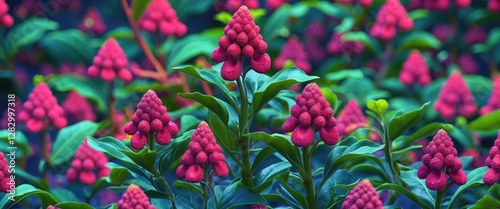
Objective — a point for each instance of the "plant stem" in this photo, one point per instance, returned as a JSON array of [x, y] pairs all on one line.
[[205, 190], [307, 179], [384, 69], [43, 152], [211, 187], [151, 141], [111, 107], [171, 194], [246, 176], [440, 195]]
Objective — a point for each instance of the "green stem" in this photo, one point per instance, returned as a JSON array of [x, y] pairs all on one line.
[[43, 152], [171, 194], [388, 155], [111, 108], [386, 59], [205, 190], [211, 188], [440, 195], [307, 179], [151, 141], [246, 176]]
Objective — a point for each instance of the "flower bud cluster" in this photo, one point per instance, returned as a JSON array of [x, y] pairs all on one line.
[[134, 198], [494, 100], [350, 118], [87, 165], [392, 15], [362, 195], [467, 63], [494, 6], [440, 5], [415, 70], [337, 46], [233, 5], [273, 5], [78, 108], [443, 32], [160, 16], [4, 174], [92, 22], [294, 51], [364, 3], [475, 35], [493, 162], [6, 20], [455, 97], [110, 62]]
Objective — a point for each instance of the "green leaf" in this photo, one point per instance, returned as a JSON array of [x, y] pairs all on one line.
[[279, 81], [64, 195], [69, 139], [188, 7], [343, 74], [72, 205], [277, 24], [189, 186], [418, 187], [209, 76], [488, 122], [225, 137], [401, 190], [214, 104], [474, 178], [346, 25], [486, 202], [330, 9], [282, 144], [401, 123], [292, 196], [120, 32], [379, 106], [173, 151], [20, 140], [419, 40], [263, 154], [118, 175], [25, 190], [190, 47], [27, 32], [188, 122], [69, 45], [144, 158], [93, 90], [111, 147], [331, 98], [242, 196], [223, 17], [427, 130], [138, 8], [269, 173]]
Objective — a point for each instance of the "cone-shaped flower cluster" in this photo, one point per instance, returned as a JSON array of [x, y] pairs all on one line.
[[337, 46], [362, 195], [233, 5], [272, 5], [151, 116], [494, 101], [110, 62], [475, 35], [41, 108], [392, 15], [365, 3], [455, 97], [92, 22], [203, 151], [242, 39], [443, 32], [350, 118], [78, 108], [415, 70], [134, 198], [294, 51], [159, 16], [5, 19], [87, 165], [493, 162], [440, 159], [441, 5], [315, 31], [4, 174], [312, 112], [467, 64], [494, 6]]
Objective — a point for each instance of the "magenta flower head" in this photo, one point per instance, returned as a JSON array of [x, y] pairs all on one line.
[[92, 22], [440, 5], [294, 51], [42, 108], [110, 62], [134, 198], [311, 113], [440, 159], [5, 19], [467, 63], [475, 35], [202, 152], [337, 46], [350, 118], [233, 5], [315, 31], [493, 162], [4, 174], [443, 32], [242, 39], [87, 165], [273, 5], [364, 3], [494, 6], [455, 97], [159, 16], [151, 116], [258, 206], [362, 195], [392, 15], [78, 108], [415, 70], [494, 100]]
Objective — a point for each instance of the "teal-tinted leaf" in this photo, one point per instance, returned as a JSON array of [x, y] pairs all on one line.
[[214, 104], [346, 25], [120, 32], [474, 178], [69, 45], [330, 9], [73, 205], [241, 196], [269, 173], [261, 156], [85, 87], [488, 122], [139, 7], [25, 190], [173, 151], [299, 9], [277, 24], [428, 130], [493, 37], [69, 139], [144, 158], [33, 180], [486, 202], [189, 186], [27, 32], [418, 187], [189, 7], [190, 47], [110, 146], [401, 190], [279, 81], [419, 40], [20, 140], [399, 154], [292, 195], [118, 175], [225, 137], [343, 74], [64, 195], [188, 122], [401, 123]]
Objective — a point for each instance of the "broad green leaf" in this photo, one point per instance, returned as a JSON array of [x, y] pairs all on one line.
[[64, 195], [223, 17], [94, 90], [33, 180], [299, 9], [269, 173], [343, 74], [279, 81], [209, 76], [379, 106], [419, 40], [214, 104], [189, 186], [292, 195], [331, 98], [20, 142], [25, 190], [72, 205], [401, 190], [346, 25], [474, 178], [261, 156], [277, 24], [118, 175], [190, 47], [185, 8], [144, 158], [69, 139], [225, 137], [418, 187], [282, 144], [401, 123], [69, 45], [241, 196], [138, 8], [172, 152], [333, 10], [188, 122], [120, 32], [428, 130], [111, 147], [399, 154], [27, 32], [488, 122], [486, 202]]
